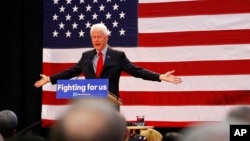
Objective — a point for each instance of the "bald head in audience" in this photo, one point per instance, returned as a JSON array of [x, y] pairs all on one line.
[[239, 115], [90, 120], [1, 137], [218, 131], [8, 123], [207, 132]]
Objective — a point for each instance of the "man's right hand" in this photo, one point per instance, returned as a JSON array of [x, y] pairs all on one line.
[[44, 80]]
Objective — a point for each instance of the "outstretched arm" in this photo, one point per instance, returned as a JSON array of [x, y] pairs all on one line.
[[169, 77], [44, 80]]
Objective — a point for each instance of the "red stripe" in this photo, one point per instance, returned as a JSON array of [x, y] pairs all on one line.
[[49, 98], [51, 123], [194, 38], [182, 68], [48, 123], [180, 124], [184, 8], [170, 98], [186, 98], [53, 68], [200, 67]]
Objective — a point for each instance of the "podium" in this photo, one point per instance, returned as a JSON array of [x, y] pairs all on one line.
[[85, 88], [114, 99]]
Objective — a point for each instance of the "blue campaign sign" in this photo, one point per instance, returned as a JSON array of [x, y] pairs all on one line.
[[82, 88]]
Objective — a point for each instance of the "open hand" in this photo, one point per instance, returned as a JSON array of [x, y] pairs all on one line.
[[44, 80], [169, 77]]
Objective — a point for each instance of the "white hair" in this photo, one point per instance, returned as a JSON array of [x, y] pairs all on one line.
[[100, 26]]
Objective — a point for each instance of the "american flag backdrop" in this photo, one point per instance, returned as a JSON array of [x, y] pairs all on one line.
[[207, 42]]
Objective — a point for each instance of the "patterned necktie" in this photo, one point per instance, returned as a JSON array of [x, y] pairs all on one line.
[[99, 65]]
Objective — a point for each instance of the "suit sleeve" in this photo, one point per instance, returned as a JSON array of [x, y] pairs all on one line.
[[67, 73], [137, 71]]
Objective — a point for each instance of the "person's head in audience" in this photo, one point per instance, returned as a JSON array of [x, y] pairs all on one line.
[[136, 137], [151, 134], [239, 115], [8, 123], [172, 136], [218, 131], [90, 120], [26, 138], [1, 137]]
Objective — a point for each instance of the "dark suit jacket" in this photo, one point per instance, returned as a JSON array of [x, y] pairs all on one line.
[[115, 62]]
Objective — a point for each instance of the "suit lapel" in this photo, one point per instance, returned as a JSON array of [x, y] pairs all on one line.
[[90, 62], [107, 58]]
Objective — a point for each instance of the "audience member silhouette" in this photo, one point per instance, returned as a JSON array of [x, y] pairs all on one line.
[[90, 120], [8, 123], [217, 131], [172, 136], [137, 137], [151, 134], [1, 137], [239, 115], [26, 138]]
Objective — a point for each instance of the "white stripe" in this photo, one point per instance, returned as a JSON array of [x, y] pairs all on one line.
[[155, 113], [194, 23], [190, 83], [162, 54], [67, 55], [53, 111], [160, 1], [176, 113]]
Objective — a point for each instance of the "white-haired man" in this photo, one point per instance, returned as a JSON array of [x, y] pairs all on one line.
[[114, 62]]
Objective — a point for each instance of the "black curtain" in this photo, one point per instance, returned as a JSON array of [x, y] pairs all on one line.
[[21, 24]]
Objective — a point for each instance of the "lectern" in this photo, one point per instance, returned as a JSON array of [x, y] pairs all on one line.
[[86, 88], [114, 99]]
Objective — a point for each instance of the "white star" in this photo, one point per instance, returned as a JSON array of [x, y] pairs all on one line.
[[109, 33], [68, 17], [81, 33], [62, 9], [55, 1], [115, 7], [102, 22], [74, 25], [101, 7], [108, 0], [95, 1], [88, 8], [122, 32], [115, 24], [55, 17], [61, 25], [122, 15], [108, 16], [75, 8], [94, 16], [81, 17], [68, 1], [88, 24], [68, 34], [55, 34], [81, 1]]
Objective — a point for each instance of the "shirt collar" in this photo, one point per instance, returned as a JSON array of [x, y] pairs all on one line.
[[104, 51]]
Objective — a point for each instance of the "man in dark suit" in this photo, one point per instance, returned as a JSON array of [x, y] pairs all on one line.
[[115, 62]]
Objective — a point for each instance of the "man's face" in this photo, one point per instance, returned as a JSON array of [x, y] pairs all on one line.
[[99, 40]]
